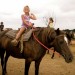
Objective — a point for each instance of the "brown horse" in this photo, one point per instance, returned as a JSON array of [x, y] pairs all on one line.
[[32, 50]]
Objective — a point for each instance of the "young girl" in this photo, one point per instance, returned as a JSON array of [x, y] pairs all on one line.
[[50, 24], [25, 23]]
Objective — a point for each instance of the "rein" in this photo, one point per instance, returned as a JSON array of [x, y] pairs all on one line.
[[44, 45]]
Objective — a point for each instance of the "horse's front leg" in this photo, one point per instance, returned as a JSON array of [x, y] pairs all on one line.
[[37, 63], [4, 72], [27, 65], [2, 61], [2, 57], [53, 54]]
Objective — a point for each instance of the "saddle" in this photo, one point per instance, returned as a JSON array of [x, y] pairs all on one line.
[[25, 36]]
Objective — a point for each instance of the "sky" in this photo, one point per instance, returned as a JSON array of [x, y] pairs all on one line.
[[62, 11]]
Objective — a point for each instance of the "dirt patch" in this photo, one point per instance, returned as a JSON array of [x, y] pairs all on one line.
[[73, 42], [48, 66]]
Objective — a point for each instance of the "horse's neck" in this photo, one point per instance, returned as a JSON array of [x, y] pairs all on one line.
[[38, 32], [41, 35]]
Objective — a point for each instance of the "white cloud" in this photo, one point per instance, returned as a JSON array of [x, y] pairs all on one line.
[[63, 12]]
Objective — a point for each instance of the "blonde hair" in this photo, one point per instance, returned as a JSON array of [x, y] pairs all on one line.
[[26, 7], [51, 19]]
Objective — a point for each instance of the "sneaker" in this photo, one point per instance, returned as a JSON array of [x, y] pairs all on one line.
[[14, 42]]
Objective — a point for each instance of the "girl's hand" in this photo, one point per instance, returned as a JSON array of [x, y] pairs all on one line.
[[32, 16]]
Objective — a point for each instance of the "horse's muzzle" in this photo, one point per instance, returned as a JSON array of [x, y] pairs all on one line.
[[68, 59]]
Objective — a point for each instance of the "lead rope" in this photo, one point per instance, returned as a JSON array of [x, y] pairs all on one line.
[[45, 46]]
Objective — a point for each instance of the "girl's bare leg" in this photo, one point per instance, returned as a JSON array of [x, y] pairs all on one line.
[[15, 41], [20, 33]]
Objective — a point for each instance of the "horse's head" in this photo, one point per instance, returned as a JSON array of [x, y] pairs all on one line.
[[61, 46], [57, 40]]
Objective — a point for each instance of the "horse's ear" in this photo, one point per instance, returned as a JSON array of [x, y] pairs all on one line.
[[58, 31]]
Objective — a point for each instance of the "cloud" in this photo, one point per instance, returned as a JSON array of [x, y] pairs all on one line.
[[68, 5], [5, 13], [63, 12]]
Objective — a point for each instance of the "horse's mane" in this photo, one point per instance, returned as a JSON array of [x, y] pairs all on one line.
[[45, 30], [38, 31], [44, 34], [48, 34]]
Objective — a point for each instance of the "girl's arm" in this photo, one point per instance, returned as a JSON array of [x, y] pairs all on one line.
[[25, 22], [32, 16]]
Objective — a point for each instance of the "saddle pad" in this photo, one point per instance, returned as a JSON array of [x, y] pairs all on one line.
[[11, 34], [27, 34]]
